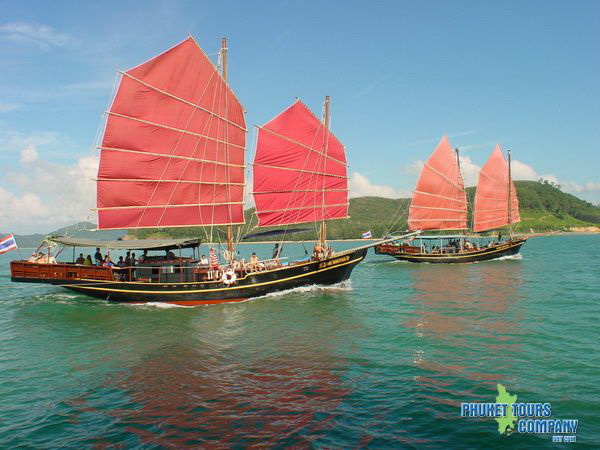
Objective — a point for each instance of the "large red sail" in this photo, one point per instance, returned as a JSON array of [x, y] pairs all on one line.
[[173, 149], [492, 197], [300, 170], [439, 201]]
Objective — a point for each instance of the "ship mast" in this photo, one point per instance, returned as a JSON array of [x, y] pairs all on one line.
[[224, 73], [509, 196], [323, 231]]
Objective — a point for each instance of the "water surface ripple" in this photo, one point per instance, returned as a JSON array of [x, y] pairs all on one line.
[[383, 361]]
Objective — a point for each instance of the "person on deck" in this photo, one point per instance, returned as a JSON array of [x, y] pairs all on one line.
[[254, 261], [122, 274], [34, 258], [203, 261], [128, 259], [98, 257], [107, 262], [144, 257], [88, 261], [80, 260], [318, 251]]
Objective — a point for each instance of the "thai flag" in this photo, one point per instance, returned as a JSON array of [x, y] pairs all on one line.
[[7, 244], [367, 235]]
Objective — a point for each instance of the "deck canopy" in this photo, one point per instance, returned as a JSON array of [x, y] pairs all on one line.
[[143, 244]]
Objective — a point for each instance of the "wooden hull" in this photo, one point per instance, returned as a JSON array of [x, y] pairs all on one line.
[[324, 272], [497, 251]]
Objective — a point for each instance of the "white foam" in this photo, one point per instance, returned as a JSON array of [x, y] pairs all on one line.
[[518, 256], [342, 286]]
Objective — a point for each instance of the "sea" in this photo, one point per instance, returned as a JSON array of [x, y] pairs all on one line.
[[383, 361]]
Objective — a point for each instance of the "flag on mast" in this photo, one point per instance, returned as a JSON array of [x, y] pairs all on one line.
[[367, 235], [8, 243]]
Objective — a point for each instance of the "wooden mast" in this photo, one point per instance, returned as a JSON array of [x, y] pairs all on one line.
[[224, 73], [323, 231], [509, 196]]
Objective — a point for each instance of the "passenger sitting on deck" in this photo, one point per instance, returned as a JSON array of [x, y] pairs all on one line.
[[144, 257], [35, 257], [468, 244], [170, 256], [80, 260], [98, 257], [254, 262], [88, 261], [203, 261], [107, 262]]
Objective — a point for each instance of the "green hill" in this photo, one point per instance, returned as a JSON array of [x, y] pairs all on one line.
[[79, 230], [544, 207]]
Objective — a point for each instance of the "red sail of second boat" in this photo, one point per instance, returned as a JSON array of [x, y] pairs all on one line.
[[173, 149], [300, 170], [439, 201], [492, 197]]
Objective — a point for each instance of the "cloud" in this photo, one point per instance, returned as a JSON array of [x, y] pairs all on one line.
[[360, 186], [522, 171], [469, 170], [45, 195], [42, 36], [29, 154], [15, 142], [8, 107]]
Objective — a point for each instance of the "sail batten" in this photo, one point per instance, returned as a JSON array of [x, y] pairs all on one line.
[[492, 197], [439, 201], [300, 170], [172, 153]]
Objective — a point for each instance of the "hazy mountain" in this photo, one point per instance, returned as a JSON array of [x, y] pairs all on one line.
[[80, 230]]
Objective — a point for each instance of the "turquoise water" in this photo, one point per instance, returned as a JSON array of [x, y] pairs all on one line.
[[384, 361]]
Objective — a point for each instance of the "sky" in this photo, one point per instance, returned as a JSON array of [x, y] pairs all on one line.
[[523, 74]]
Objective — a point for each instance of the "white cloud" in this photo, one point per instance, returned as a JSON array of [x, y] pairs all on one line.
[[29, 154], [360, 186], [42, 36], [522, 171], [470, 171], [46, 195]]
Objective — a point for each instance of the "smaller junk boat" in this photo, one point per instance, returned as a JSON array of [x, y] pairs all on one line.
[[173, 155], [440, 203]]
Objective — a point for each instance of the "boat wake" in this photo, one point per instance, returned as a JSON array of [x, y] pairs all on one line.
[[516, 257], [342, 286]]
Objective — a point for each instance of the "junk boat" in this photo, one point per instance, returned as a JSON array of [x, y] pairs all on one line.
[[173, 155], [439, 203]]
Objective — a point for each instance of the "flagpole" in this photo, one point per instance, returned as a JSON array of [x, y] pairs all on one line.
[[21, 256]]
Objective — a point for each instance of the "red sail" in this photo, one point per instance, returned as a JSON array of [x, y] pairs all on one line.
[[300, 170], [439, 201], [173, 149], [491, 199]]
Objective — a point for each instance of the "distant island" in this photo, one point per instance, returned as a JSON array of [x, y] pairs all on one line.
[[544, 208]]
